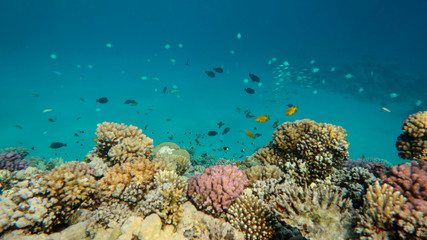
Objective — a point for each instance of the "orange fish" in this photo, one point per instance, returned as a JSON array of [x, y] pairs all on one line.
[[291, 111], [95, 139], [249, 134], [262, 118]]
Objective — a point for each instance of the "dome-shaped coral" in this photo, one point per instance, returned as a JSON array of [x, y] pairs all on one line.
[[413, 140], [306, 150]]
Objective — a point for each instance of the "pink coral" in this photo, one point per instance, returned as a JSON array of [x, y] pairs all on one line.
[[411, 181], [218, 186]]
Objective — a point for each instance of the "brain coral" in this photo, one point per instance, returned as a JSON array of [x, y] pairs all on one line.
[[319, 213], [306, 150], [215, 189], [251, 216], [121, 143], [413, 140]]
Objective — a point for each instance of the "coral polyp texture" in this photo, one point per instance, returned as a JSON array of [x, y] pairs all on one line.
[[217, 188], [411, 181], [129, 181], [12, 161], [319, 213], [119, 143], [378, 219], [413, 140], [251, 216], [306, 150], [50, 200]]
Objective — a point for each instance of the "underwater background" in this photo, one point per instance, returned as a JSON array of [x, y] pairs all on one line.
[[357, 64]]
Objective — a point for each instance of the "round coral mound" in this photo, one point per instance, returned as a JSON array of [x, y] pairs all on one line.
[[413, 140]]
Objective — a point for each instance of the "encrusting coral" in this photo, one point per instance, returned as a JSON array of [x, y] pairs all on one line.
[[380, 209], [251, 216], [12, 161], [173, 158], [413, 140], [215, 189], [319, 213], [263, 172], [306, 150]]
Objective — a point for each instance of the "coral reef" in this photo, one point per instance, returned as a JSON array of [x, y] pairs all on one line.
[[172, 158], [319, 213], [23, 152], [12, 161], [378, 217], [306, 150], [167, 198], [413, 140], [42, 204], [263, 172], [411, 181], [354, 183], [251, 216], [215, 189], [119, 143], [129, 181]]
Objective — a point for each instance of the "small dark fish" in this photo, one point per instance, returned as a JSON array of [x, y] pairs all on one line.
[[35, 95], [218, 70], [169, 119], [82, 99], [249, 90], [254, 77], [18, 126], [210, 74], [220, 124], [289, 105], [212, 133], [51, 120], [56, 145], [102, 100], [187, 63], [248, 115], [238, 109], [256, 135], [32, 148], [75, 134], [275, 124], [164, 90], [78, 118], [146, 126], [131, 102], [226, 130]]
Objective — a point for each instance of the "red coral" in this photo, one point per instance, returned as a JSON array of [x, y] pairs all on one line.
[[218, 186], [411, 181]]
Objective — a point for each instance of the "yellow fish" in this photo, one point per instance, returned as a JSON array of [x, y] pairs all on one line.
[[95, 139], [249, 134], [262, 118], [291, 111]]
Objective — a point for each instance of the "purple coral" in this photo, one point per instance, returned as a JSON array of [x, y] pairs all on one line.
[[218, 186], [12, 161]]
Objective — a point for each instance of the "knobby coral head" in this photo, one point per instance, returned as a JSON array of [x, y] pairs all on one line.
[[217, 187]]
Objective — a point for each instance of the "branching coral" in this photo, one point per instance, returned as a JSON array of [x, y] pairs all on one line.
[[130, 181], [411, 181], [251, 216], [119, 143], [319, 213], [12, 161], [215, 189], [43, 203], [413, 140], [378, 219], [167, 198], [306, 150]]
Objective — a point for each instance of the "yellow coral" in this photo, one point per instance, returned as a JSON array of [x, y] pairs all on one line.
[[251, 216], [378, 218], [413, 140], [128, 182], [262, 172]]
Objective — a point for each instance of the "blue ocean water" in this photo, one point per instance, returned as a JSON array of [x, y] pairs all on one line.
[[358, 58]]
